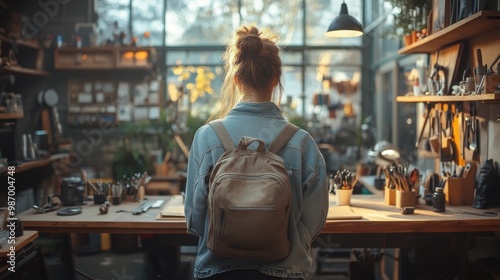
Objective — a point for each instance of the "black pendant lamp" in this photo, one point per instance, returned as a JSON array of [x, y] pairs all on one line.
[[344, 25]]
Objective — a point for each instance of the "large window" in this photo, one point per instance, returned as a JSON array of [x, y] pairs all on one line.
[[191, 36]]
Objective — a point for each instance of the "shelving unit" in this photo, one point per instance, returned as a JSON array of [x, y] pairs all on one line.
[[106, 96], [39, 162], [485, 98], [25, 71], [23, 59], [21, 42], [9, 116], [480, 32], [105, 58], [474, 25], [31, 55]]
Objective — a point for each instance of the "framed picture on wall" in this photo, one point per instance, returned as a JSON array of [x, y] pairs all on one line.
[[440, 15], [87, 32]]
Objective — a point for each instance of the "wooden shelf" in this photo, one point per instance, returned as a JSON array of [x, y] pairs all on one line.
[[10, 116], [472, 26], [26, 71], [21, 241], [39, 163], [21, 42], [485, 98], [105, 58]]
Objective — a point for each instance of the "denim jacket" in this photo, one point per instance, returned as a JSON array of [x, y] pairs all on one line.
[[308, 178]]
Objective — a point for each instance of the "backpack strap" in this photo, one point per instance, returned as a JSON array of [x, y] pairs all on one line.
[[223, 135], [283, 137], [278, 142]]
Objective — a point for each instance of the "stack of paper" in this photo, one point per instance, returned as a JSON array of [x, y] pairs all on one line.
[[174, 208]]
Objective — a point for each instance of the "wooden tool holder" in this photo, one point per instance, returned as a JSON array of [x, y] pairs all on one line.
[[390, 196], [460, 190], [405, 199], [491, 83]]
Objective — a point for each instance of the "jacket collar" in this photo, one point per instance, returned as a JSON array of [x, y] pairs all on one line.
[[269, 109]]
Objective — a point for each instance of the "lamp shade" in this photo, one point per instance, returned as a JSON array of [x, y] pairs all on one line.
[[344, 25], [385, 154]]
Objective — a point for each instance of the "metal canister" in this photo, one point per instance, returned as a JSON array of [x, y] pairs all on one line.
[[438, 200], [72, 191]]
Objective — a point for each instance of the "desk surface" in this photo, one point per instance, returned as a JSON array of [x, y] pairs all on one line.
[[377, 217]]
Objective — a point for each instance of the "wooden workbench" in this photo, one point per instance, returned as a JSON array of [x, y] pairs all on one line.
[[377, 226], [376, 217]]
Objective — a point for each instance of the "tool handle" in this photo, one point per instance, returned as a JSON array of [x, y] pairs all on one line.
[[493, 64], [479, 57]]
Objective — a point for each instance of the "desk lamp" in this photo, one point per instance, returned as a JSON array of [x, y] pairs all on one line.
[[385, 154]]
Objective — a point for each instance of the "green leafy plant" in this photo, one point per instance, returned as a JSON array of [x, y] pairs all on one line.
[[128, 160], [409, 15], [140, 137]]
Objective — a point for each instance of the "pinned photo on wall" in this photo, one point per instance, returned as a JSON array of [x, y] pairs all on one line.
[[140, 94], [123, 90]]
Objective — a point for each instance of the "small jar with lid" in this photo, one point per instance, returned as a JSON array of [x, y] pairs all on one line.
[[438, 200]]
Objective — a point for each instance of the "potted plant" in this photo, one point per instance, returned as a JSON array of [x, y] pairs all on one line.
[[410, 18], [133, 154]]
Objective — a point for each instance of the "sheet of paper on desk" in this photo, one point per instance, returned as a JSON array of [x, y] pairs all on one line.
[[173, 208], [343, 212]]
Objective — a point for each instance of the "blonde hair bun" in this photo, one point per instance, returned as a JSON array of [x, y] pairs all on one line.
[[248, 42], [252, 59]]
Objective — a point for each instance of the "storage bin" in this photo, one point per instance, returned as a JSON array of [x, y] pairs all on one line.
[[460, 190]]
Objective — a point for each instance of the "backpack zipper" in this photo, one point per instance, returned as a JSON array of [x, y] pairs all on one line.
[[221, 227], [263, 209], [274, 176]]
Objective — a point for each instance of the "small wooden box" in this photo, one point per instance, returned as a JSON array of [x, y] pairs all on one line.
[[460, 191], [491, 83]]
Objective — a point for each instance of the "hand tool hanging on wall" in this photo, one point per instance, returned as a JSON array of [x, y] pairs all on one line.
[[453, 144], [479, 57], [460, 110], [471, 136], [434, 133], [428, 110], [473, 128], [445, 152], [491, 71]]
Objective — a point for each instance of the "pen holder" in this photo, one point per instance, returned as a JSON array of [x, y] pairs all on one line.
[[390, 196], [460, 190], [116, 200], [405, 199], [343, 197], [99, 199]]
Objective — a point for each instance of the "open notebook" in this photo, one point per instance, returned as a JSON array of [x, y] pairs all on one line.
[[343, 212]]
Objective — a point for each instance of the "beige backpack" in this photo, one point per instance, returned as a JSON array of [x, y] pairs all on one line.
[[249, 199]]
